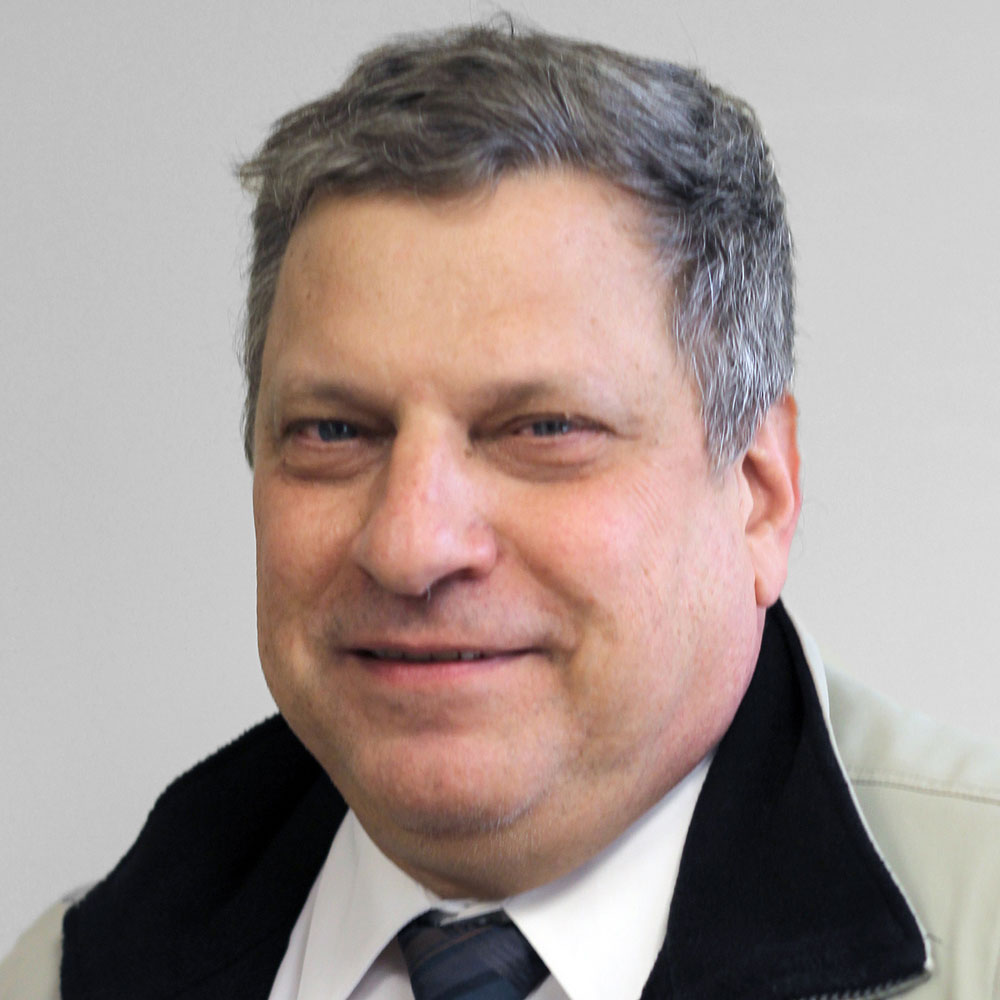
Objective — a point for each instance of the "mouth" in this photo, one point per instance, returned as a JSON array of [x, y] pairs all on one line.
[[441, 668], [396, 655]]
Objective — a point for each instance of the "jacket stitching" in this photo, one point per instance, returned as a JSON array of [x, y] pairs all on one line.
[[984, 796]]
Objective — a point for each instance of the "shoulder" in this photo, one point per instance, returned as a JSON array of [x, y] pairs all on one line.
[[211, 834], [930, 795], [884, 744], [31, 970]]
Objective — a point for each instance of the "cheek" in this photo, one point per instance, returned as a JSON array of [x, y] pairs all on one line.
[[656, 578], [618, 545], [614, 559], [293, 573], [299, 548], [299, 528]]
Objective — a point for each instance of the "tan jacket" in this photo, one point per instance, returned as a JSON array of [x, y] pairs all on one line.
[[930, 798]]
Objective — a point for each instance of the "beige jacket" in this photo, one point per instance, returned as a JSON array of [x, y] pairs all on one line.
[[930, 798]]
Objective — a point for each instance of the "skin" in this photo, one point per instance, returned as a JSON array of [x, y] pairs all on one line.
[[473, 434]]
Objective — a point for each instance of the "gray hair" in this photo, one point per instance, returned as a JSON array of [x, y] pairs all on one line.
[[453, 112]]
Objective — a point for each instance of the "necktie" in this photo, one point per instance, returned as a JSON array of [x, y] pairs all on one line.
[[482, 958]]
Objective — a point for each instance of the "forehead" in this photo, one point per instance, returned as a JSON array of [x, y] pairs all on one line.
[[545, 280], [535, 241], [525, 216]]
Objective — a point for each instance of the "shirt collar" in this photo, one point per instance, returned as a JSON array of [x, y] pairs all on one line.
[[600, 929], [362, 901], [603, 921]]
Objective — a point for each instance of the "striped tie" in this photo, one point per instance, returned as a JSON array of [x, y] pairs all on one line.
[[482, 958]]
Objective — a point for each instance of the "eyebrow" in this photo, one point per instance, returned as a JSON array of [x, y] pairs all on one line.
[[566, 393], [321, 390], [497, 394]]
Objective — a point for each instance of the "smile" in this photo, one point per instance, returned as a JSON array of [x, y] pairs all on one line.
[[444, 656]]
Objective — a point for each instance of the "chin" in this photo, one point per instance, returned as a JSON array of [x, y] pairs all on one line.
[[440, 798], [454, 818]]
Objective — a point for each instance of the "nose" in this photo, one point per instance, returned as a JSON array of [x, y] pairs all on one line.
[[424, 524]]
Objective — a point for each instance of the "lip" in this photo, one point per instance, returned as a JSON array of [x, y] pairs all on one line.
[[443, 653], [425, 663]]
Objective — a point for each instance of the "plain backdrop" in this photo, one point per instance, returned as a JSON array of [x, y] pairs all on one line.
[[127, 644]]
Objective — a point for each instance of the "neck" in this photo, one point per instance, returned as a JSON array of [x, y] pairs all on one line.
[[504, 861]]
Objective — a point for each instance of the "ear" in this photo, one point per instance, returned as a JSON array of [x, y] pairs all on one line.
[[770, 474]]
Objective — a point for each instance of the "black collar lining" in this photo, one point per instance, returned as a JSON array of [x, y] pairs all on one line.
[[781, 892]]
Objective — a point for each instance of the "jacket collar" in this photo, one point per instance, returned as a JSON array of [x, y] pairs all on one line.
[[780, 891], [202, 905]]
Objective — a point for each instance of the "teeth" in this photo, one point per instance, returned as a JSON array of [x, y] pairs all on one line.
[[444, 656]]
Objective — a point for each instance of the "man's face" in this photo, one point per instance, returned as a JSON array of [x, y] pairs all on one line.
[[502, 597]]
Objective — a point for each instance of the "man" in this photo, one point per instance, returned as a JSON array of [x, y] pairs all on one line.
[[518, 352]]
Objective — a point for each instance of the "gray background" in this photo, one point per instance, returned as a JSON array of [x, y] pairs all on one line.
[[127, 645]]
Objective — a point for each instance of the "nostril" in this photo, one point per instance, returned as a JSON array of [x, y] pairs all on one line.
[[411, 555]]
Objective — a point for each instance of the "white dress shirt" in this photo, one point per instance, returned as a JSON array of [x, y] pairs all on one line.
[[598, 929]]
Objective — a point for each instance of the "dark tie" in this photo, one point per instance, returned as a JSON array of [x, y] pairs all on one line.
[[482, 958]]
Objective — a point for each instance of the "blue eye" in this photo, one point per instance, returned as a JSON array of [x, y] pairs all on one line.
[[335, 430], [552, 427]]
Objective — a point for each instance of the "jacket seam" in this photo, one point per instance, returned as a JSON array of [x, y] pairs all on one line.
[[985, 796]]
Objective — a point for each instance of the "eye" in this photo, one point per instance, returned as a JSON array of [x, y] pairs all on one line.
[[329, 448], [334, 430], [551, 427], [323, 431], [547, 445]]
